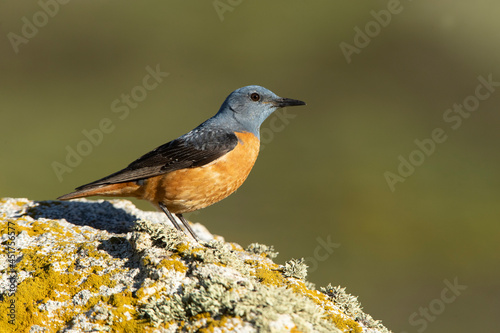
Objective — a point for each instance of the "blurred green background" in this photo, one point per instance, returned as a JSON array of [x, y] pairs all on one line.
[[321, 176]]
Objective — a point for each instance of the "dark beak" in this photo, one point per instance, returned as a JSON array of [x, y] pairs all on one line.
[[283, 102]]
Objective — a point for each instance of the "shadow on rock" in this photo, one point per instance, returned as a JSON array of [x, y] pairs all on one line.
[[99, 215]]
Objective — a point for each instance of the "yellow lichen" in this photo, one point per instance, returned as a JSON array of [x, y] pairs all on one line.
[[175, 264], [183, 248], [61, 282], [212, 324], [341, 322], [344, 324], [125, 298], [269, 277]]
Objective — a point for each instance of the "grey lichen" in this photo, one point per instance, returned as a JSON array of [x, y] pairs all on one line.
[[257, 304], [218, 252], [161, 235], [222, 283], [351, 307], [295, 268], [164, 309], [262, 249], [264, 304]]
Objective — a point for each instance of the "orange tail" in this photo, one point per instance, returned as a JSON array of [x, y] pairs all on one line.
[[129, 189]]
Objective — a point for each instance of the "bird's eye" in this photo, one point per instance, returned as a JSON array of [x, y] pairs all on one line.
[[255, 97]]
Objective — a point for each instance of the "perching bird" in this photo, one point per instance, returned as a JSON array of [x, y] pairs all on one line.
[[200, 167]]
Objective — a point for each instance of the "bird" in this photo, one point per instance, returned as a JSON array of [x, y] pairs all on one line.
[[200, 167]]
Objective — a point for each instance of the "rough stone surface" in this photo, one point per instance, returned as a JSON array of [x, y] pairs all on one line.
[[85, 266]]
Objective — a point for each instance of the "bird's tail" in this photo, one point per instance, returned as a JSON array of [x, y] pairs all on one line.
[[107, 190]]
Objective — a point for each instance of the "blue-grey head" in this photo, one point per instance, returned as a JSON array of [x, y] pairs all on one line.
[[245, 109]]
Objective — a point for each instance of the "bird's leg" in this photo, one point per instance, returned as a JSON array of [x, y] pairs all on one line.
[[188, 227], [171, 217]]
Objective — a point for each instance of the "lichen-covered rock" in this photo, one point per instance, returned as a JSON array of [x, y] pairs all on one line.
[[86, 266]]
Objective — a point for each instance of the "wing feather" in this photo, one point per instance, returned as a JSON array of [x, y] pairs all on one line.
[[194, 149]]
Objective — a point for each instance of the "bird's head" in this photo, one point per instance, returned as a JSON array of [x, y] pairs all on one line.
[[247, 108]]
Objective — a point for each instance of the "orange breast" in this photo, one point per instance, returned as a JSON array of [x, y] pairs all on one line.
[[188, 190]]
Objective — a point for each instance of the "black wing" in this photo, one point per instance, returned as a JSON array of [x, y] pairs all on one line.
[[197, 148]]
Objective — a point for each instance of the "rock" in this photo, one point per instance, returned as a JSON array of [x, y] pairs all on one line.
[[85, 265]]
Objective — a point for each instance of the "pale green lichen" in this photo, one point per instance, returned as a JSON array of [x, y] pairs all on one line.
[[350, 306], [310, 285], [262, 249], [217, 252], [295, 268], [162, 236], [259, 301], [265, 303], [254, 303], [255, 292]]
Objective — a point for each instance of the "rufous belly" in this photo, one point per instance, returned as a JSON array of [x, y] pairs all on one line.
[[187, 190]]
